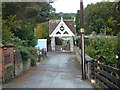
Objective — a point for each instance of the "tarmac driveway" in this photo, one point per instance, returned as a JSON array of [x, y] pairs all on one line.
[[59, 70]]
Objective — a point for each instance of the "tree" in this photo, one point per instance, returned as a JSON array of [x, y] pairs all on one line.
[[28, 12], [27, 33], [111, 24], [6, 33], [100, 16], [77, 22], [41, 31], [19, 20], [22, 18], [64, 15], [9, 27]]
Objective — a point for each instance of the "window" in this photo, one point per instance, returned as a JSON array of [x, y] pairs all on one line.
[[66, 32], [61, 28], [58, 32]]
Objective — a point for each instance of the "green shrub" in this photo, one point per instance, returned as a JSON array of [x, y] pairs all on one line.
[[33, 54], [87, 42], [118, 49], [33, 62], [105, 47], [118, 44], [26, 52], [41, 60], [90, 51]]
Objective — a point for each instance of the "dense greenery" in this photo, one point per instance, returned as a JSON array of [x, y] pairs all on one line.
[[28, 11], [41, 31], [101, 17], [118, 49], [64, 15], [106, 47], [19, 20]]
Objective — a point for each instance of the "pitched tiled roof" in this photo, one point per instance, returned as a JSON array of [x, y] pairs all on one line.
[[69, 22]]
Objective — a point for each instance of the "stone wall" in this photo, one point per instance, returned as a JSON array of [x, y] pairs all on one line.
[[8, 72], [53, 43], [27, 65], [11, 63], [78, 54], [87, 58], [18, 63]]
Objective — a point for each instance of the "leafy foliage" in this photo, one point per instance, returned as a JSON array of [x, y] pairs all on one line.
[[6, 34], [64, 15], [27, 33], [41, 31], [28, 12], [105, 47], [19, 20], [118, 49], [101, 17], [13, 28], [77, 22], [33, 54], [118, 44]]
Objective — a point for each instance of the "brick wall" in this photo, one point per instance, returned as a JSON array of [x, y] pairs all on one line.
[[1, 62], [11, 63], [6, 62]]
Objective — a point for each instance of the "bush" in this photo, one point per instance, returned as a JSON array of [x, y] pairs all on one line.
[[26, 52], [33, 54], [33, 62], [118, 50], [105, 47], [118, 44], [90, 51]]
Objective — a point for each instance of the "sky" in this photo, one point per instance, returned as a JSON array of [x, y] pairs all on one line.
[[71, 6]]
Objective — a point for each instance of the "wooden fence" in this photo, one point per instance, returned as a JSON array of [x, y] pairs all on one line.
[[107, 76]]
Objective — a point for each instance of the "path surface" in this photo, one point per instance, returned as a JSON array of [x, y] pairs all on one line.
[[59, 70]]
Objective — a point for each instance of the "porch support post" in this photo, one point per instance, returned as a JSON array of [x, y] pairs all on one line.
[[71, 44], [53, 43]]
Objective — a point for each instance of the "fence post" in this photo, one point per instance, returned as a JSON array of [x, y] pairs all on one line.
[[93, 71], [88, 69]]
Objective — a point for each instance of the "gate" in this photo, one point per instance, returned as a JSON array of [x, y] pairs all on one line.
[[62, 47]]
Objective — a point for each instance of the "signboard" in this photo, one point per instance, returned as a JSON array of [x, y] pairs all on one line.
[[42, 44]]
